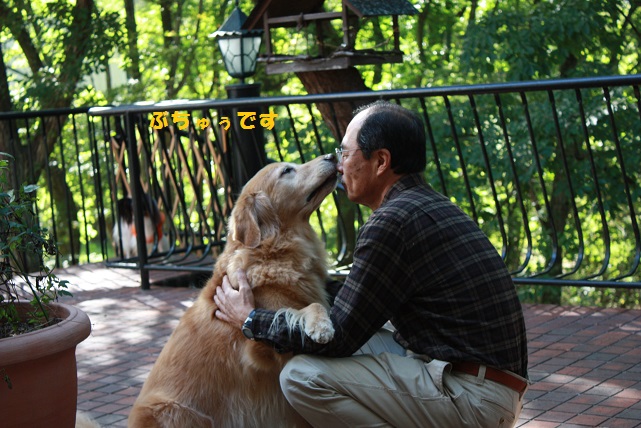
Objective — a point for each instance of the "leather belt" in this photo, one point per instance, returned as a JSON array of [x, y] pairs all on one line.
[[495, 375]]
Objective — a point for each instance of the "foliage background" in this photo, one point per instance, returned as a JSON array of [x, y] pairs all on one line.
[[164, 48]]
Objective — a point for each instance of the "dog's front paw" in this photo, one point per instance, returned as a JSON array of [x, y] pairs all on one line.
[[314, 321], [320, 331]]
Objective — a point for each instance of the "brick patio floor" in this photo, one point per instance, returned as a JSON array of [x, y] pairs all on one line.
[[585, 362]]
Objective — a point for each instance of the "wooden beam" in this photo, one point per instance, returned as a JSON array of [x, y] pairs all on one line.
[[345, 24], [295, 19], [267, 34], [395, 30], [336, 63], [256, 14]]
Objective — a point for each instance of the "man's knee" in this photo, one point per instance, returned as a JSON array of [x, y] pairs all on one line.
[[296, 372], [300, 382]]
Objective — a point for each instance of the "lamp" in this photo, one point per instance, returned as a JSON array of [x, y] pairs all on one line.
[[238, 46]]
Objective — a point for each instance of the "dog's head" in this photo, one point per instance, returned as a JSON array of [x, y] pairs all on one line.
[[281, 195]]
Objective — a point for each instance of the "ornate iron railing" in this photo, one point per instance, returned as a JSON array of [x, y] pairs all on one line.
[[548, 169]]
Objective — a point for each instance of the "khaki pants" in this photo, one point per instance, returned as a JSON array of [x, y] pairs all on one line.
[[380, 386]]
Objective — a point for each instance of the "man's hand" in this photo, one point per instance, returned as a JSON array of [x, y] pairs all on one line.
[[234, 306]]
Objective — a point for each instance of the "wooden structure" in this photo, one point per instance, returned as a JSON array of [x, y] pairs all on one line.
[[272, 14]]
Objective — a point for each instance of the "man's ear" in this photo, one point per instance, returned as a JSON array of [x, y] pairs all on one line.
[[253, 219], [383, 161]]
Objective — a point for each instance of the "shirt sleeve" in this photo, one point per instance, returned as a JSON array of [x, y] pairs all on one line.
[[376, 286]]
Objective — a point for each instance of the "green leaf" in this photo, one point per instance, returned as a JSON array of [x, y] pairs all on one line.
[[30, 188]]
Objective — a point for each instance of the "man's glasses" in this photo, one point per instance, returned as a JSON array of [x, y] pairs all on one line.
[[339, 153]]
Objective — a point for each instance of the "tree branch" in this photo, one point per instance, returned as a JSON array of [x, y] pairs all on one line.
[[5, 99], [16, 25], [132, 40], [71, 71], [191, 53]]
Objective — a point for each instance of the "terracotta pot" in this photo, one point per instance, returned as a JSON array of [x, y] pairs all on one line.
[[42, 368]]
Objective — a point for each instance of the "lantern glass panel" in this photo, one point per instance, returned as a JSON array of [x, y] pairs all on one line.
[[239, 54]]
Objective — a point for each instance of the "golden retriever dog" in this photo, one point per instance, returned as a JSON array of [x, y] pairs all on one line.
[[208, 374]]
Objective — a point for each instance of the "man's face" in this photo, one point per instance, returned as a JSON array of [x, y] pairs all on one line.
[[358, 173]]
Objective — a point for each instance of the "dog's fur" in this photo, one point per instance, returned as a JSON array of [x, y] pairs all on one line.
[[209, 374], [124, 228]]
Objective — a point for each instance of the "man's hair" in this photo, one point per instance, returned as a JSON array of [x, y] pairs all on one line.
[[397, 129]]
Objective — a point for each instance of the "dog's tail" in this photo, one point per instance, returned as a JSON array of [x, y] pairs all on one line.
[[84, 421]]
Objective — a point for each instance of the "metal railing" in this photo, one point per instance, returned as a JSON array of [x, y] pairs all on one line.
[[548, 169], [51, 148]]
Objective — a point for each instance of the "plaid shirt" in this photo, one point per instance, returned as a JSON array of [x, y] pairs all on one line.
[[423, 264]]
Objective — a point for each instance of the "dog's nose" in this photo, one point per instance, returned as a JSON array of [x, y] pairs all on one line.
[[331, 157]]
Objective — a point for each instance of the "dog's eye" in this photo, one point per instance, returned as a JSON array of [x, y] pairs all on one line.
[[286, 170]]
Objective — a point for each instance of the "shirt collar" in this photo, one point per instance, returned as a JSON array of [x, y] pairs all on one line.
[[405, 182]]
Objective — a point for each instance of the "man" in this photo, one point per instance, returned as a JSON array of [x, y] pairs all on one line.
[[458, 356]]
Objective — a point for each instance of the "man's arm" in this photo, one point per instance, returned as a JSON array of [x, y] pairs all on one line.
[[377, 285], [234, 306]]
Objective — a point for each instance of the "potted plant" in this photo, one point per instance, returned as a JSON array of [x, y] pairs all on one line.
[[38, 335]]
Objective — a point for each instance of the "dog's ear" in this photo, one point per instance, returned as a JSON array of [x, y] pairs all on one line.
[[253, 219]]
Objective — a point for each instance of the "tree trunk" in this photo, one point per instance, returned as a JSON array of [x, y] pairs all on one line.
[[5, 98], [560, 206], [66, 219], [31, 156], [335, 115], [132, 40]]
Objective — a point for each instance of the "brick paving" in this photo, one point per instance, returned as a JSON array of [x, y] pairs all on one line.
[[585, 362]]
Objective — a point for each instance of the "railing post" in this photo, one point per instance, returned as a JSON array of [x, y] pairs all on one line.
[[137, 196], [248, 145]]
